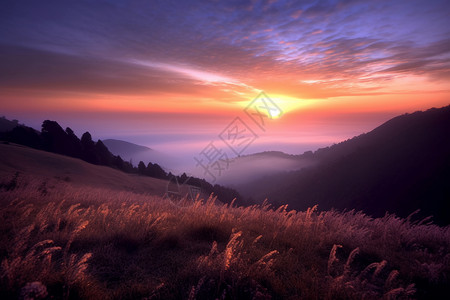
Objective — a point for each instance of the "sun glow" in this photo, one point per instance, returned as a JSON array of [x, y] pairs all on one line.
[[286, 105], [274, 113]]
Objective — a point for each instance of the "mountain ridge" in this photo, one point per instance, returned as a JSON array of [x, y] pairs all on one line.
[[115, 145], [400, 166]]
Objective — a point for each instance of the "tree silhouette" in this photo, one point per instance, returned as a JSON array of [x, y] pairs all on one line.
[[104, 157], [155, 170], [183, 177], [118, 162], [128, 167], [141, 168], [74, 144], [24, 136], [54, 138], [88, 148]]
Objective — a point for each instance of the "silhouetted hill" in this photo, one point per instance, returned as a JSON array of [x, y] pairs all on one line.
[[401, 166], [120, 147], [55, 167], [129, 151], [8, 125]]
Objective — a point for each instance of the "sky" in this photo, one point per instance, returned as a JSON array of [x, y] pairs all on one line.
[[173, 75]]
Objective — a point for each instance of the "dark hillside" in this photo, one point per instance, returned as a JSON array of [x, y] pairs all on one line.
[[401, 166]]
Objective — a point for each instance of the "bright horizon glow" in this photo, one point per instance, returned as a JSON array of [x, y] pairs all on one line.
[[141, 71]]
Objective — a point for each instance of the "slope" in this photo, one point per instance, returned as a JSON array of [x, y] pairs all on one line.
[[36, 163], [401, 166]]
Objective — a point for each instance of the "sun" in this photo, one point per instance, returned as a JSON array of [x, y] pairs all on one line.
[[285, 104], [279, 105], [274, 113]]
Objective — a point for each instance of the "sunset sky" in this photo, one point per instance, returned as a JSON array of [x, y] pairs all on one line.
[[172, 75]]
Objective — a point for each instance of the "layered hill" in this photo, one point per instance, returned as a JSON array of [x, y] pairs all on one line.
[[130, 151], [247, 168], [401, 166]]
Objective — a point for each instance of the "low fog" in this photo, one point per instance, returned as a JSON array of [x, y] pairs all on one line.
[[252, 167]]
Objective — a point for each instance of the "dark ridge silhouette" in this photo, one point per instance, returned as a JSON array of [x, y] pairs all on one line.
[[154, 170], [118, 146], [401, 166], [24, 136], [7, 125], [73, 143], [88, 149], [54, 139]]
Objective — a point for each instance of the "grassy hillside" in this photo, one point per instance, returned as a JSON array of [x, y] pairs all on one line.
[[72, 240], [58, 168]]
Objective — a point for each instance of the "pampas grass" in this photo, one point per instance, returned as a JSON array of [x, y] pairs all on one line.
[[83, 242]]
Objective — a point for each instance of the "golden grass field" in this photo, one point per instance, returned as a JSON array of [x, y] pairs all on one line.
[[71, 230]]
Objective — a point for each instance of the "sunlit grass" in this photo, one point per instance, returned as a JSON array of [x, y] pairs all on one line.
[[81, 242]]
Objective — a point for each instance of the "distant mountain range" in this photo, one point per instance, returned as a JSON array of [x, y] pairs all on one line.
[[136, 153], [400, 166]]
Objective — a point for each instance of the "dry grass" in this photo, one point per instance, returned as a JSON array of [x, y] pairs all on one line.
[[84, 242]]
